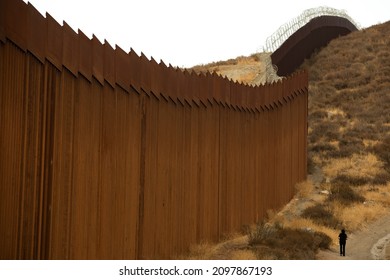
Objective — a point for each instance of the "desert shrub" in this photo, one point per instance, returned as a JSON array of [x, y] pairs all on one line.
[[341, 84], [322, 93], [382, 150], [322, 147], [321, 215], [344, 194], [347, 147], [318, 114], [276, 242], [363, 131], [310, 165], [332, 133], [350, 180], [341, 152], [381, 178], [304, 189], [262, 232], [325, 129]]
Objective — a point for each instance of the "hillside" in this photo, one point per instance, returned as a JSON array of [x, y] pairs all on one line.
[[254, 69], [349, 157], [349, 119]]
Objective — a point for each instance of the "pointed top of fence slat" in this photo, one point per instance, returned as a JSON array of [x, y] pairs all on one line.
[[85, 57], [94, 37], [97, 59], [215, 75], [81, 33], [222, 77], [70, 48], [36, 33], [152, 60], [48, 16], [170, 66], [54, 41], [144, 57], [162, 63], [109, 63], [187, 71], [135, 74], [132, 52], [65, 24], [107, 43], [122, 68], [180, 69], [117, 47], [208, 74]]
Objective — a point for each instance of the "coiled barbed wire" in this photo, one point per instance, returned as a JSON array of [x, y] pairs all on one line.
[[274, 41]]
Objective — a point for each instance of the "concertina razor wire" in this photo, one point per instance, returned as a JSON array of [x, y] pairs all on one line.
[[274, 41]]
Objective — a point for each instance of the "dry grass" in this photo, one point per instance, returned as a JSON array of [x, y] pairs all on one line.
[[379, 194], [304, 189], [357, 216], [245, 254], [355, 166], [201, 251]]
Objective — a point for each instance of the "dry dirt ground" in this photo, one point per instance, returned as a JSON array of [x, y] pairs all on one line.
[[367, 244]]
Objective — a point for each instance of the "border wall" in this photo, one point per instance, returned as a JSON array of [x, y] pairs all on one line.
[[314, 35], [109, 155]]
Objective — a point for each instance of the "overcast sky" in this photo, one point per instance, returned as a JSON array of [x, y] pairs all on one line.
[[185, 33]]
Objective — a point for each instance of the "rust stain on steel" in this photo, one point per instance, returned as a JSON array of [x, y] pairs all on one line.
[[315, 34]]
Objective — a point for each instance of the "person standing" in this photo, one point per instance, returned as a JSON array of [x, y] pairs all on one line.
[[342, 240]]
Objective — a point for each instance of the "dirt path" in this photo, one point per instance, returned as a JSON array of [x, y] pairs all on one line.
[[367, 244], [371, 243]]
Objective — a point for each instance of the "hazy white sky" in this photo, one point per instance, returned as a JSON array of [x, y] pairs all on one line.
[[189, 32]]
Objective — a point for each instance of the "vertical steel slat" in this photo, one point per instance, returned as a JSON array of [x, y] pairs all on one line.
[[54, 42], [15, 22], [85, 56], [12, 103], [97, 60], [36, 33], [70, 49], [109, 64], [135, 76], [122, 68]]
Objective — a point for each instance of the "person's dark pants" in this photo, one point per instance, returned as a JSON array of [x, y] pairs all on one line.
[[342, 248]]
